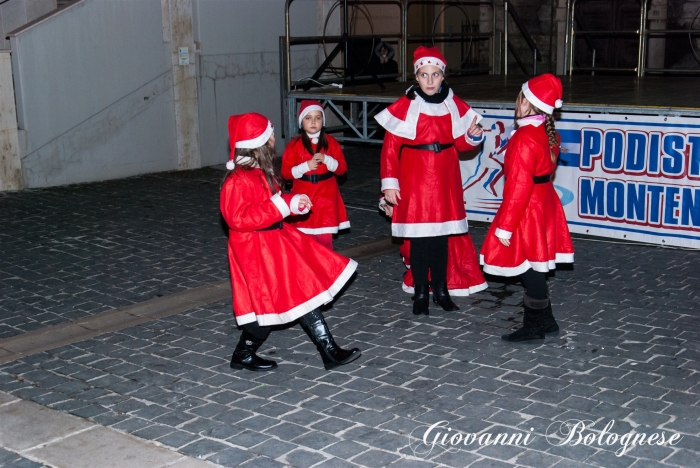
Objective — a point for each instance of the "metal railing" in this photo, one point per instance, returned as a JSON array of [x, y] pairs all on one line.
[[509, 9], [642, 34], [402, 38]]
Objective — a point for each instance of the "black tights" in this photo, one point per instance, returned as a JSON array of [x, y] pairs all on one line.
[[260, 333], [429, 254], [535, 284]]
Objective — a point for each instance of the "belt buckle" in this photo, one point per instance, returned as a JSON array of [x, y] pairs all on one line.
[[437, 147], [314, 178]]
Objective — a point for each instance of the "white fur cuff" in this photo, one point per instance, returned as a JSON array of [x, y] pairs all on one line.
[[390, 183], [280, 204], [300, 170], [501, 234], [330, 162]]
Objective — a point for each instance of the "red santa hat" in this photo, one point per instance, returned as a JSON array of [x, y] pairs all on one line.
[[544, 92], [309, 105], [247, 131], [428, 56]]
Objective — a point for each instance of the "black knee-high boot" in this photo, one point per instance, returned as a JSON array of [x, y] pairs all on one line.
[[333, 355], [536, 288], [420, 265], [244, 356], [438, 272], [533, 319]]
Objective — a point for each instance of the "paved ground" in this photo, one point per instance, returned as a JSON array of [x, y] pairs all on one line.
[[74, 251], [628, 352]]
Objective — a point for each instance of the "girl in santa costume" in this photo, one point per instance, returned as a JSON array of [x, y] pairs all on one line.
[[529, 234], [312, 160], [420, 173], [277, 276]]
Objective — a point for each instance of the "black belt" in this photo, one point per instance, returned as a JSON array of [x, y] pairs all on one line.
[[541, 179], [434, 147], [316, 178], [272, 227]]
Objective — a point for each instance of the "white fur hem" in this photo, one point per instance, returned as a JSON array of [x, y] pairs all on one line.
[[281, 205], [390, 184], [542, 267], [453, 292], [429, 229], [291, 315], [502, 234], [325, 230]]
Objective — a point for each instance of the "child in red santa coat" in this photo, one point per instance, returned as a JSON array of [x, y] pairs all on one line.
[[312, 160], [529, 234], [277, 276], [420, 173]]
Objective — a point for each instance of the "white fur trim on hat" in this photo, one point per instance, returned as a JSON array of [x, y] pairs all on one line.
[[422, 62], [535, 100], [259, 141], [309, 109]]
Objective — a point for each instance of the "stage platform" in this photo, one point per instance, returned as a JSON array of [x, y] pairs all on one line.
[[653, 96]]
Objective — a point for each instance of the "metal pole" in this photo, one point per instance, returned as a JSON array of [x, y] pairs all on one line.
[[642, 39], [534, 62], [403, 49], [593, 64], [288, 47], [572, 37], [346, 36], [566, 38], [505, 37]]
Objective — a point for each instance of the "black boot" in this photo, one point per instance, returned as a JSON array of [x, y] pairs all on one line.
[[549, 325], [421, 300], [532, 329], [244, 356], [441, 296], [332, 354]]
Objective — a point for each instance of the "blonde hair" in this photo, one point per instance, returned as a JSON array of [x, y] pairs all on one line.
[[549, 125]]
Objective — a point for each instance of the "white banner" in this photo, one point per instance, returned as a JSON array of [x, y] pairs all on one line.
[[623, 176]]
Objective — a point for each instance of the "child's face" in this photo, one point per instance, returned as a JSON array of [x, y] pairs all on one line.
[[271, 141], [312, 122], [429, 79]]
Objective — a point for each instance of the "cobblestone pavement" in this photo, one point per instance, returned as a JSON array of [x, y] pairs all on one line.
[[628, 353], [78, 250]]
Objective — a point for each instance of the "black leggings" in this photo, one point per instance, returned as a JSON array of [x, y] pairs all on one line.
[[535, 284], [260, 333], [429, 254]]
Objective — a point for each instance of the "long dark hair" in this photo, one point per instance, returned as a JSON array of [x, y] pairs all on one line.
[[549, 125], [263, 157], [321, 146]]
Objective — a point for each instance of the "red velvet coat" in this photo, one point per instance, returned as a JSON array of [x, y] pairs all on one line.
[[430, 184], [328, 214], [531, 215], [277, 275], [464, 276]]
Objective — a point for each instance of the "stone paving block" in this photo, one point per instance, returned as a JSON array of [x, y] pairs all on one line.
[[111, 448]]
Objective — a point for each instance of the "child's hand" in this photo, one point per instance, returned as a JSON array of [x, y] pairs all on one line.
[[319, 158], [475, 129], [312, 163], [392, 196], [503, 241], [304, 203], [388, 210]]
